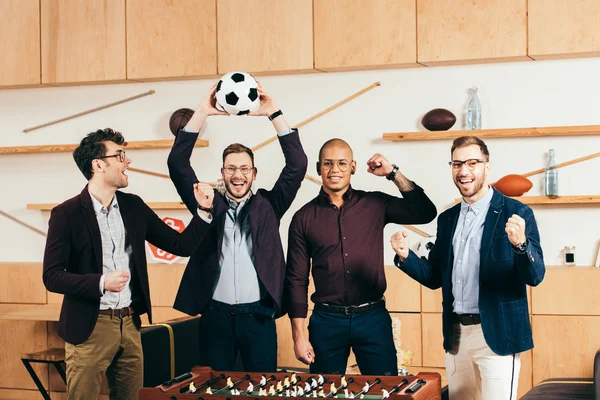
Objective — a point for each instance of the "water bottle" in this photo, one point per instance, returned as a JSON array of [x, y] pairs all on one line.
[[551, 176], [474, 112]]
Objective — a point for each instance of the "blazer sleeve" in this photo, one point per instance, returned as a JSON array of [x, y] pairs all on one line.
[[530, 264], [166, 238], [426, 272], [180, 169], [298, 269], [285, 189], [56, 275]]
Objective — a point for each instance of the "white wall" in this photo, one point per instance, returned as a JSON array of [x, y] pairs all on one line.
[[513, 95]]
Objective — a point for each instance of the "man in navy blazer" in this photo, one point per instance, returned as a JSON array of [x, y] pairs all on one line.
[[487, 250], [95, 255], [235, 278]]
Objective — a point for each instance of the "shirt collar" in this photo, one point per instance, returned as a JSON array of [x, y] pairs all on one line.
[[234, 205], [323, 197], [479, 205], [99, 208]]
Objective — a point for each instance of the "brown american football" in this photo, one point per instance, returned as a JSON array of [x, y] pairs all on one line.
[[513, 185], [438, 119]]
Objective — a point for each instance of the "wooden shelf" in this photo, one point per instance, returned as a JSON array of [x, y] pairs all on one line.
[[544, 200], [581, 130], [67, 148], [159, 205]]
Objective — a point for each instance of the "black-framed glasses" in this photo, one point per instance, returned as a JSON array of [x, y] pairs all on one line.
[[244, 169], [471, 163], [119, 155], [343, 165]]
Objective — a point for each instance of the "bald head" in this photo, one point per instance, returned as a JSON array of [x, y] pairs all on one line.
[[335, 144]]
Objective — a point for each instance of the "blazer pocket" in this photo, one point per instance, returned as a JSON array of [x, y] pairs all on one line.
[[501, 249], [517, 327]]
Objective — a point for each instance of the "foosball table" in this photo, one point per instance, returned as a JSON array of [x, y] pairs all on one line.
[[202, 383]]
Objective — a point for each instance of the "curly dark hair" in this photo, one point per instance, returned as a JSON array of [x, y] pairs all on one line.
[[92, 147]]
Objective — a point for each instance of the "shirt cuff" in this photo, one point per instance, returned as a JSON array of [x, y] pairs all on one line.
[[298, 310], [206, 218], [102, 285], [281, 134], [188, 131]]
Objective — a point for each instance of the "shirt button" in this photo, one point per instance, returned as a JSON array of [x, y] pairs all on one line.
[[348, 272], [346, 254], [457, 281], [462, 241], [459, 302], [459, 261], [344, 238]]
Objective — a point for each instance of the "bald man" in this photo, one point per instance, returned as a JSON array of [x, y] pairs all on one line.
[[340, 233]]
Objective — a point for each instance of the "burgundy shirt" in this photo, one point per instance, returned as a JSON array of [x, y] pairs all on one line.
[[346, 245]]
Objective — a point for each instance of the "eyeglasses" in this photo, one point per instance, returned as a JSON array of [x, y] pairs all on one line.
[[343, 165], [230, 169], [470, 163], [119, 155]]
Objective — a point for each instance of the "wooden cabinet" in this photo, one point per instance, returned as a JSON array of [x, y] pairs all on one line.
[[563, 28], [20, 43], [433, 340], [568, 291], [267, 36], [364, 34], [82, 41], [471, 31], [167, 39]]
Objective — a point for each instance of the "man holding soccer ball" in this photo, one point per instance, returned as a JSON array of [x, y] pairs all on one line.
[[235, 278]]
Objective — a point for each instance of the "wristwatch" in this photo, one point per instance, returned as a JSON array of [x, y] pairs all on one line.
[[392, 175], [522, 246], [207, 209], [275, 115]]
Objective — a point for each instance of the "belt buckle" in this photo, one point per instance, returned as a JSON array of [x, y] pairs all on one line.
[[350, 310]]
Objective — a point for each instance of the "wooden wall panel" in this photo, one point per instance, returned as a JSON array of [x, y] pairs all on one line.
[[433, 340], [410, 335], [563, 28], [20, 43], [167, 39], [164, 280], [266, 36], [83, 41], [568, 291], [365, 34], [565, 346], [402, 293], [21, 283], [471, 31], [431, 300], [20, 337], [526, 374]]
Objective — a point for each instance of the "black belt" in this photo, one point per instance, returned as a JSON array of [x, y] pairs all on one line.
[[244, 308], [120, 312], [466, 319], [349, 310]]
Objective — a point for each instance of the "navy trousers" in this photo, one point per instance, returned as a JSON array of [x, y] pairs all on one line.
[[368, 334]]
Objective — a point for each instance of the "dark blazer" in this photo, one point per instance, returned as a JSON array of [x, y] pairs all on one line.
[[503, 275], [73, 257], [265, 209]]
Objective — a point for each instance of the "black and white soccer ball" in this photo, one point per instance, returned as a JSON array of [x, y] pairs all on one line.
[[237, 93], [423, 247]]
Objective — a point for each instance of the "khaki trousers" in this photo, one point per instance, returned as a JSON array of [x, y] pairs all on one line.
[[475, 372], [114, 348]]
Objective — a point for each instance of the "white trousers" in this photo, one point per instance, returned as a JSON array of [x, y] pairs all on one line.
[[475, 372]]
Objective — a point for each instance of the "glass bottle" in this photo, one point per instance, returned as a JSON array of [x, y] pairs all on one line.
[[474, 111], [551, 176]]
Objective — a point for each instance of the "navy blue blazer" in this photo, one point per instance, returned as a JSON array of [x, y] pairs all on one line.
[[265, 209], [503, 275]]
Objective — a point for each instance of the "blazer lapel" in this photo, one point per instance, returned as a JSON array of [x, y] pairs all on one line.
[[489, 227], [92, 224], [452, 227]]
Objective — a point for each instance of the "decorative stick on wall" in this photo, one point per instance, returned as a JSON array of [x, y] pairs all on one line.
[[417, 230], [89, 111], [20, 221], [563, 164], [325, 111], [158, 174]]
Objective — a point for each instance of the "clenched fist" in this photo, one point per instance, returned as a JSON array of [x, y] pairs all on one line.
[[115, 281], [379, 165], [515, 229], [399, 243], [204, 194]]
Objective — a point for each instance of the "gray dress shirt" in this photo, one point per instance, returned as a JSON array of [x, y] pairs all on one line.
[[466, 244], [116, 252]]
